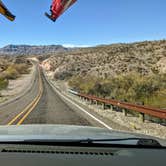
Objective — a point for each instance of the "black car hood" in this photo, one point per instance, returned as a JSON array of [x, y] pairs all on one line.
[[64, 132]]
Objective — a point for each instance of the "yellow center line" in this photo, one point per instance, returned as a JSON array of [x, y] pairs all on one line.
[[30, 110], [13, 120], [30, 107]]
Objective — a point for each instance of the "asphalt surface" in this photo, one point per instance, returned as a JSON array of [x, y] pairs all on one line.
[[12, 109], [51, 109]]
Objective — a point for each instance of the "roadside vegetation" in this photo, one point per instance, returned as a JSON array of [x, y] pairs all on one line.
[[11, 69], [14, 71], [132, 87], [3, 83], [134, 72]]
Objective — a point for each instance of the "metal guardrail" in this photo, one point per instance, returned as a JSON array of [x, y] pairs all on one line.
[[142, 110]]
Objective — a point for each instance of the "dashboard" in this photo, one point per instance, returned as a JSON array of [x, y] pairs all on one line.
[[34, 155]]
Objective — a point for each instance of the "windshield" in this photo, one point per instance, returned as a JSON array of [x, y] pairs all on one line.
[[83, 66]]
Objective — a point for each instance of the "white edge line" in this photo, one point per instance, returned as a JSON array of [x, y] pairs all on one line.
[[99, 121], [105, 125]]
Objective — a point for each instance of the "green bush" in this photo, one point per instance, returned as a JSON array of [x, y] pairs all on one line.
[[3, 83], [146, 87], [21, 68], [11, 73], [133, 87], [15, 70], [83, 84]]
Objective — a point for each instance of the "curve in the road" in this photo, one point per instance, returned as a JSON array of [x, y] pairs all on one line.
[[52, 110], [49, 107]]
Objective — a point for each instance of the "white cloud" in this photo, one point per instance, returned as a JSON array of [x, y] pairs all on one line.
[[73, 45]]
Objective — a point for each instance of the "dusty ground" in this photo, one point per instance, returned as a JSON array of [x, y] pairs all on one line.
[[16, 87], [129, 122]]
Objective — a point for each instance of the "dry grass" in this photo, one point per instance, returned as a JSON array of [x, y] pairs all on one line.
[[11, 69], [133, 87]]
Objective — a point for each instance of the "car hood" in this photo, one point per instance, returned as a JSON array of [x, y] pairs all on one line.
[[64, 132]]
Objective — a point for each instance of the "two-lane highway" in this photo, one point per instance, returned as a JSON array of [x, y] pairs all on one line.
[[10, 112], [42, 105], [51, 109]]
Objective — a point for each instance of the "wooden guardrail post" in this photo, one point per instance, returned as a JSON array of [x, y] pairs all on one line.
[[91, 102], [86, 100], [95, 102], [103, 106], [111, 107], [124, 112], [142, 117], [82, 98]]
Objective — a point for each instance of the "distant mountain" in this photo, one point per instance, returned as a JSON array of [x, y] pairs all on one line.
[[31, 50]]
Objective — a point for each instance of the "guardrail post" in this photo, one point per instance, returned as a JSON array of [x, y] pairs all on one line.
[[95, 102], [91, 102], [103, 106], [111, 107], [124, 112], [85, 99], [142, 117]]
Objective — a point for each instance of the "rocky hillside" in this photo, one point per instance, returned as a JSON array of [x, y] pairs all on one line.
[[128, 72], [31, 50], [146, 58]]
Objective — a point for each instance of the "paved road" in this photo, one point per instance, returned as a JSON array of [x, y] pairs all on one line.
[[51, 109], [10, 110]]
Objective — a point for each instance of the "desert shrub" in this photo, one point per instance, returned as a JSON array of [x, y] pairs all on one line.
[[21, 68], [11, 73], [83, 84], [133, 87], [146, 87], [101, 89], [62, 75], [162, 80], [3, 83], [75, 82]]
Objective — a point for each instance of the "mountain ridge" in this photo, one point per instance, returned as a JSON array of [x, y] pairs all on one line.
[[32, 49]]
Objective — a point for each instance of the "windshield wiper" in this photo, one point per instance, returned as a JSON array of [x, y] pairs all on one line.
[[124, 142]]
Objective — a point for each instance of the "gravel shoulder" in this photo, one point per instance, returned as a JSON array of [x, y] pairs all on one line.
[[17, 87], [116, 119]]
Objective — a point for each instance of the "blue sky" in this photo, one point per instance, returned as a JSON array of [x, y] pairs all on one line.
[[88, 22]]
